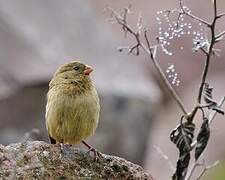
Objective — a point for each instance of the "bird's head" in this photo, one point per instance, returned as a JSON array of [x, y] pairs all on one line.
[[74, 69], [72, 73]]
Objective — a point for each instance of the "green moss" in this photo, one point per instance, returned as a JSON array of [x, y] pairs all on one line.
[[44, 160], [62, 164], [66, 167], [22, 161], [116, 168]]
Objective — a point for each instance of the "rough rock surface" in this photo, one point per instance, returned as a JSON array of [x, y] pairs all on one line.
[[39, 160]]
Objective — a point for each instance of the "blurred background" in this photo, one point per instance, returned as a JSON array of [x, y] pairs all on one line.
[[137, 112]]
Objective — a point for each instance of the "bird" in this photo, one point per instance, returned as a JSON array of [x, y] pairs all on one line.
[[72, 109]]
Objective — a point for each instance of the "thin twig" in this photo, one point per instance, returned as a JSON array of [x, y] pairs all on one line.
[[207, 168], [147, 50], [197, 164], [165, 157], [215, 9], [192, 169], [204, 51], [167, 83], [192, 16], [207, 49], [210, 52], [221, 15], [211, 117], [147, 40], [213, 114], [204, 74], [220, 35]]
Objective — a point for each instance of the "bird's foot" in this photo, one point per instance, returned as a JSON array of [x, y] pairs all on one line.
[[96, 153]]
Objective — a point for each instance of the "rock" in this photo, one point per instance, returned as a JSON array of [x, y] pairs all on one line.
[[36, 159]]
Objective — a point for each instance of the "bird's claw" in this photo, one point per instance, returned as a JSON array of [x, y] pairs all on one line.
[[96, 153]]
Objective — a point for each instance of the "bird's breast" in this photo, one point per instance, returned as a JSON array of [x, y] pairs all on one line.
[[71, 117]]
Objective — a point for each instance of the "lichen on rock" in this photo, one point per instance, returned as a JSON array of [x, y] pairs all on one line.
[[39, 160]]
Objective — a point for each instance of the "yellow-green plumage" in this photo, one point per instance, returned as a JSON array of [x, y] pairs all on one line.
[[72, 109]]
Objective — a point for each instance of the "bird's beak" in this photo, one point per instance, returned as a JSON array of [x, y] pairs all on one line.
[[88, 70]]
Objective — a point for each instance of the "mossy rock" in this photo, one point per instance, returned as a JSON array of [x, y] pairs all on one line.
[[39, 160]]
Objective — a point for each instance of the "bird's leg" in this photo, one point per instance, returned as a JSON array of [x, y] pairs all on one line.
[[52, 141], [92, 149], [61, 144]]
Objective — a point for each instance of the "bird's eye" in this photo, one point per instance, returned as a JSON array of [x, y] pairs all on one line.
[[76, 68]]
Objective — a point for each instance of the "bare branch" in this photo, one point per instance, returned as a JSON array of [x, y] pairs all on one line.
[[213, 114], [220, 35], [147, 50], [165, 157], [204, 51], [215, 9], [147, 40], [204, 74], [221, 15], [197, 164], [206, 46], [191, 15], [167, 83], [211, 117], [210, 52], [192, 169], [207, 168]]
